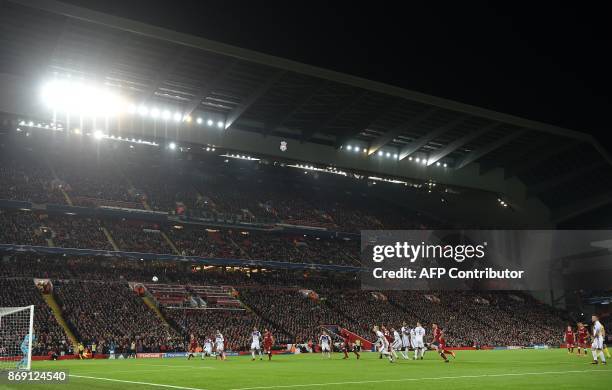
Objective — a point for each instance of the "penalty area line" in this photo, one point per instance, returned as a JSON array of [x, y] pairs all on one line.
[[136, 382], [419, 379]]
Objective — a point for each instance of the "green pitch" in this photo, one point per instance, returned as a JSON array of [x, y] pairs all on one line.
[[526, 369]]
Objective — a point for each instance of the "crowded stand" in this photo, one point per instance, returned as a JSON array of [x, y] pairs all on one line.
[[100, 306], [134, 236], [50, 337], [236, 325], [298, 312], [111, 315], [222, 211], [20, 228], [71, 232], [204, 243], [219, 191], [27, 178]]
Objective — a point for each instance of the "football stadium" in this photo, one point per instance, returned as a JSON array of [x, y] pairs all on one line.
[[180, 213]]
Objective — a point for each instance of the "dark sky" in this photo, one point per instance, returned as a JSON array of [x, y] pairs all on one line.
[[544, 63]]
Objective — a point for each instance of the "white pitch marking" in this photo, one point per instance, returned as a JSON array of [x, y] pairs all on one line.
[[137, 383], [419, 379]]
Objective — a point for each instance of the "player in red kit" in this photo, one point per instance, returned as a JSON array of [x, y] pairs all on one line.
[[267, 344], [442, 348], [347, 345], [583, 336], [569, 339], [193, 346], [439, 343]]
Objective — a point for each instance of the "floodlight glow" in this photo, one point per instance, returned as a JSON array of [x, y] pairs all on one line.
[[155, 113], [417, 159], [172, 146], [388, 154], [410, 158], [220, 124], [395, 156], [187, 118], [209, 122], [380, 153], [177, 117], [79, 98], [143, 110], [438, 164], [349, 147], [356, 149], [98, 134], [365, 150], [424, 161], [166, 114], [445, 165], [199, 121]]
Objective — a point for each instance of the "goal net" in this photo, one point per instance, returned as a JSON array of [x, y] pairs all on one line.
[[16, 337]]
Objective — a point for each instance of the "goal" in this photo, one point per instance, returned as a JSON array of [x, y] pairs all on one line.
[[16, 337]]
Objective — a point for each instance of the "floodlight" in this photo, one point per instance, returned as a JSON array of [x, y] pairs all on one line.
[[98, 134], [445, 165], [388, 154], [143, 110], [79, 98], [220, 124], [155, 113], [380, 153], [166, 114], [349, 147], [172, 146], [209, 122], [177, 116], [199, 121]]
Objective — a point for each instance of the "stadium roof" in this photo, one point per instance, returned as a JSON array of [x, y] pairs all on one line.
[[269, 96]]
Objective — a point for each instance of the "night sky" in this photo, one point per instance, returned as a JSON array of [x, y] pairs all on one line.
[[545, 63]]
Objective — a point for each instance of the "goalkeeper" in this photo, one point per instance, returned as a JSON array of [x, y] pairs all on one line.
[[25, 346]]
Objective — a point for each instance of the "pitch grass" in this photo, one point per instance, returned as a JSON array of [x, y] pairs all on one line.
[[526, 369]]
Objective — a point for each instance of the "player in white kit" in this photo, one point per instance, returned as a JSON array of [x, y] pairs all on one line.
[[220, 345], [598, 341], [397, 342], [405, 331], [325, 344], [255, 344], [207, 351], [418, 342], [382, 343]]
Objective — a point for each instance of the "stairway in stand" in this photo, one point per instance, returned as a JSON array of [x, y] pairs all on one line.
[[57, 312], [151, 304]]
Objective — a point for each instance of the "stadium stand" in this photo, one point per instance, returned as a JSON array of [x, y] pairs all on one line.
[[49, 334], [112, 315]]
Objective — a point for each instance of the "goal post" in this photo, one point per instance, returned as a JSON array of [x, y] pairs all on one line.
[[16, 337]]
